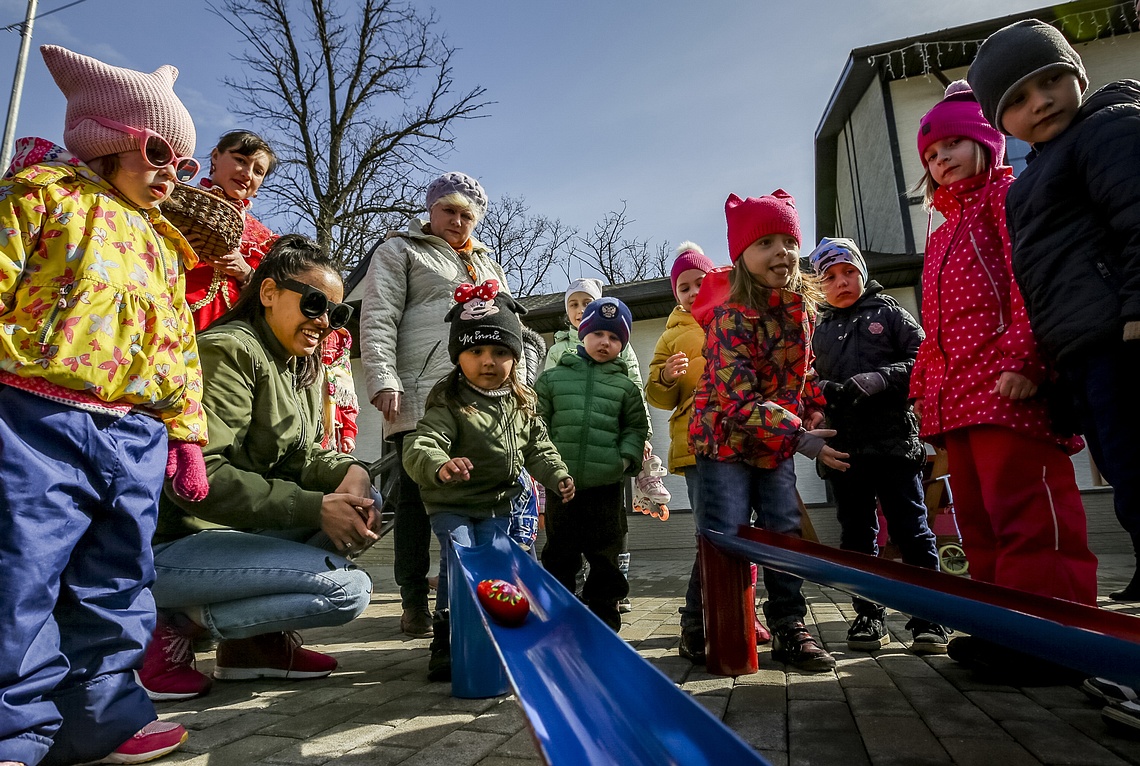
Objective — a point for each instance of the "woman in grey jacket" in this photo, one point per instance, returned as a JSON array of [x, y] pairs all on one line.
[[403, 347]]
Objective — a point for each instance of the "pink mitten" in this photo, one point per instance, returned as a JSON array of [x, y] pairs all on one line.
[[185, 465]]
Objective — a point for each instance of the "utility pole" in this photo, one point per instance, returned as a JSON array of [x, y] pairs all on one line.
[[17, 87]]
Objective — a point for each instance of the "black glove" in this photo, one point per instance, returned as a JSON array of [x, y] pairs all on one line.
[[833, 392]]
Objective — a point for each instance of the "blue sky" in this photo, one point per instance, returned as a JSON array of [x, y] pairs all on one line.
[[667, 105]]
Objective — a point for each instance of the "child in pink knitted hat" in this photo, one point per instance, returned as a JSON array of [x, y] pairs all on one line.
[[100, 394], [975, 383]]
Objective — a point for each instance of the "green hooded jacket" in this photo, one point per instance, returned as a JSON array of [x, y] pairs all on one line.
[[496, 436], [596, 418], [264, 462]]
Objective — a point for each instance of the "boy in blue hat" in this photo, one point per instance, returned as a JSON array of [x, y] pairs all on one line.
[[597, 420]]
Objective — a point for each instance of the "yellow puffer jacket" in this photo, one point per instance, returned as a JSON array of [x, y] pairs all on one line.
[[93, 293], [682, 334]]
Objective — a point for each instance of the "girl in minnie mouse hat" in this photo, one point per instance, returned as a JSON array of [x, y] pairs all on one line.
[[480, 429]]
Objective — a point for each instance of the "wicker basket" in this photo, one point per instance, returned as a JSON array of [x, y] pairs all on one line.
[[212, 224]]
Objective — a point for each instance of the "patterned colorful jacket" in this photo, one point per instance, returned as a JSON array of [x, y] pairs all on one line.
[[93, 295], [756, 386]]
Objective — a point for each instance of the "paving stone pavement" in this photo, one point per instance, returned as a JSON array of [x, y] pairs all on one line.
[[883, 709]]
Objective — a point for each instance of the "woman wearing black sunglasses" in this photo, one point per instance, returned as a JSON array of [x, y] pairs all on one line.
[[255, 561]]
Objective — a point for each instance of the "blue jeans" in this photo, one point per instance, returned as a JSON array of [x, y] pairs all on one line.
[[248, 583], [729, 495], [468, 532], [78, 506]]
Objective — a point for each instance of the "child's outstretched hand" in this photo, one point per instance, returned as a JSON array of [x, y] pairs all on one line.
[[830, 457], [456, 469], [566, 489], [675, 367], [1014, 385]]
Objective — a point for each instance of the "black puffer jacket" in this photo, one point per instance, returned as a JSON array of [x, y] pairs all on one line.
[[875, 334], [1074, 219]]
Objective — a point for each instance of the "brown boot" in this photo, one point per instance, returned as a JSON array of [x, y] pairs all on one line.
[[794, 644]]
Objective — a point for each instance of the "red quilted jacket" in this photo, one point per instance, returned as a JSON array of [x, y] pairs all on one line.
[[755, 387], [974, 318]]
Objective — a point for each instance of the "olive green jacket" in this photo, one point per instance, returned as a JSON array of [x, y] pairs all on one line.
[[264, 462], [497, 437]]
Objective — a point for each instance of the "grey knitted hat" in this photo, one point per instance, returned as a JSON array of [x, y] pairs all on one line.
[[454, 182], [1012, 55]]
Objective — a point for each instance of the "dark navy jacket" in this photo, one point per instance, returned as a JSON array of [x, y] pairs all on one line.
[[875, 334], [1074, 220]]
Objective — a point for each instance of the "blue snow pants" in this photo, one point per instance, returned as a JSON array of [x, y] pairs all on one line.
[[78, 505]]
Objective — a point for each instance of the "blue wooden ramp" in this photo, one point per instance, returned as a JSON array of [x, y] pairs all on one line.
[[1095, 641], [588, 697]]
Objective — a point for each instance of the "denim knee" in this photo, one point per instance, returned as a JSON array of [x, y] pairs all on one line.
[[353, 593]]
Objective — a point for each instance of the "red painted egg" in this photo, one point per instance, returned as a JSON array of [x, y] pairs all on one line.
[[504, 602]]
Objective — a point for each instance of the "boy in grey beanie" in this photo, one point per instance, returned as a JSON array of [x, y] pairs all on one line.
[[1074, 223]]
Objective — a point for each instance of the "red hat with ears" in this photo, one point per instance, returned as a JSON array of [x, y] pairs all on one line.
[[755, 217]]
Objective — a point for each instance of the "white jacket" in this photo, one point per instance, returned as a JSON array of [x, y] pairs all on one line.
[[407, 292]]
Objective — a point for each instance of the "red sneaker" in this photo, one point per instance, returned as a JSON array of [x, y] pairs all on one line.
[[168, 667], [270, 655], [762, 634], [156, 739]]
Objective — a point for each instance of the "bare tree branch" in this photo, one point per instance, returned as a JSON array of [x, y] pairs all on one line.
[[607, 249], [359, 101], [526, 246]]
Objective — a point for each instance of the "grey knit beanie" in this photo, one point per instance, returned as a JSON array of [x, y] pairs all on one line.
[[454, 182], [1012, 55]]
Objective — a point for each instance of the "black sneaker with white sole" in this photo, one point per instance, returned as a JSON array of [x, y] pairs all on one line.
[[867, 634], [927, 637]]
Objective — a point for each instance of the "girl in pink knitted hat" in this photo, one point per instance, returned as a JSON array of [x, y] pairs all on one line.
[[976, 380], [100, 392]]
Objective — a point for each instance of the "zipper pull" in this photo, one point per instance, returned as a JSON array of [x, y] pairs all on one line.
[[63, 293]]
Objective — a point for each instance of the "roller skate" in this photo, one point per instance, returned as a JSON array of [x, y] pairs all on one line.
[[649, 493]]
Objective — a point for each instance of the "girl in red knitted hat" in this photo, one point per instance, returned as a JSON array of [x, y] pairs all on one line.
[[977, 376], [755, 406]]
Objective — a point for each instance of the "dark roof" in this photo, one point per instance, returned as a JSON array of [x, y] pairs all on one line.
[[866, 63], [647, 299], [894, 269]]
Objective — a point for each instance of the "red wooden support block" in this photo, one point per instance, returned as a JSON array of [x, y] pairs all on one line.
[[730, 611]]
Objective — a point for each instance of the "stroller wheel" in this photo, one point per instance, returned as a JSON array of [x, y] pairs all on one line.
[[953, 559]]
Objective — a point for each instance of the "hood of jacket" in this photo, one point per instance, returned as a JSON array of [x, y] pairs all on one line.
[[1118, 93], [417, 229]]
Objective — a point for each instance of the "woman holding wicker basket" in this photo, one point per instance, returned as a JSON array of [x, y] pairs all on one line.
[[240, 162]]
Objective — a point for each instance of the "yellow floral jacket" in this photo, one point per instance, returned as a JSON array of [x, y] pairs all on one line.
[[93, 293]]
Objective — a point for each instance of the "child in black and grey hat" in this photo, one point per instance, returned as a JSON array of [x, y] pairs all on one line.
[[1074, 222]]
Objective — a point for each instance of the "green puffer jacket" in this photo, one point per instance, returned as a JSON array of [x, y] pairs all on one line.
[[566, 342], [596, 418], [497, 437], [264, 462]]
